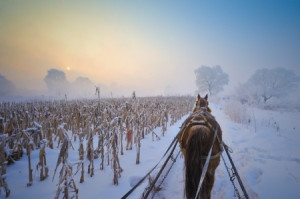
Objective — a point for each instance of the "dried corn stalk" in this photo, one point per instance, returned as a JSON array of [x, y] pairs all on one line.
[[66, 184], [3, 163], [42, 164], [29, 145], [4, 185], [51, 119], [116, 162], [90, 153]]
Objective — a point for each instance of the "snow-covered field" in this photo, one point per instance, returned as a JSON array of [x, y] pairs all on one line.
[[265, 151], [267, 158]]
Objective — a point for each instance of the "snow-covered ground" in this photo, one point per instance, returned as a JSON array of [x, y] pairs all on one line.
[[266, 154]]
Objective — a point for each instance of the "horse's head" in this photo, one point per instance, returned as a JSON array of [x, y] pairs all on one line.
[[201, 104]]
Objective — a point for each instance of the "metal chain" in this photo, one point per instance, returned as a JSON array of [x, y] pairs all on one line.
[[160, 171], [175, 141], [234, 170], [173, 162], [232, 178]]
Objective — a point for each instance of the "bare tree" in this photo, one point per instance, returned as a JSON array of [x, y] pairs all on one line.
[[210, 79], [82, 87]]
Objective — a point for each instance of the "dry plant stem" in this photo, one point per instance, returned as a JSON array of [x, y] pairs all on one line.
[[29, 164], [3, 169], [66, 183], [82, 173], [3, 161], [138, 147], [49, 138], [51, 119], [101, 140], [121, 141], [115, 166], [81, 151], [90, 154], [1, 126], [4, 185], [43, 164]]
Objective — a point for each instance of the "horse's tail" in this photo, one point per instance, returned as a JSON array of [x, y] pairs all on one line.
[[195, 147]]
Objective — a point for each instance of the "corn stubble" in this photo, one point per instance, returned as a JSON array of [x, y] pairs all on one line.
[[46, 125]]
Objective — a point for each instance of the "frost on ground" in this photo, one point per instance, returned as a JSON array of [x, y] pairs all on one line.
[[265, 152]]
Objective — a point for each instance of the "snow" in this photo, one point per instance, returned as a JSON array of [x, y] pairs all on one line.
[[37, 124], [265, 152], [268, 160], [31, 129]]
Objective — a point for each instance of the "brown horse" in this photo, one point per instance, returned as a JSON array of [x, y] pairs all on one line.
[[196, 139]]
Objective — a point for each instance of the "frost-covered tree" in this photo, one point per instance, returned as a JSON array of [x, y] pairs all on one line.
[[56, 82], [266, 84], [82, 87], [210, 79]]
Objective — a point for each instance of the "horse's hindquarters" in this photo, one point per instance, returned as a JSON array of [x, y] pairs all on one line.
[[198, 144]]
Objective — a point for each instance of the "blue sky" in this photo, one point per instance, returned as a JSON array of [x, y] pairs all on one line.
[[148, 46]]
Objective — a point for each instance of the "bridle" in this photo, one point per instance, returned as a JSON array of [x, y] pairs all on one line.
[[198, 106]]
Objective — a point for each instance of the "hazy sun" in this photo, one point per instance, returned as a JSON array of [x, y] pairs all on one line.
[[68, 68]]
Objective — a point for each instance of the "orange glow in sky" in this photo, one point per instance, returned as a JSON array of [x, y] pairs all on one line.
[[149, 47]]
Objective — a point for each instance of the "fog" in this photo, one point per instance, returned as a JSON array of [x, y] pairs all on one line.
[[7, 88], [125, 47]]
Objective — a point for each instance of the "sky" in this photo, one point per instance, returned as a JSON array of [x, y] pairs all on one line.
[[152, 47]]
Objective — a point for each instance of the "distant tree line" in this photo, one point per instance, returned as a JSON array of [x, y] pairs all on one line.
[[264, 87]]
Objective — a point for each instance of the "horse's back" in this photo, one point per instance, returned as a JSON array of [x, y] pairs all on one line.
[[204, 119]]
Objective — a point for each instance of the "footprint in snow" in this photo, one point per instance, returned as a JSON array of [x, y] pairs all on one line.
[[133, 180], [254, 176]]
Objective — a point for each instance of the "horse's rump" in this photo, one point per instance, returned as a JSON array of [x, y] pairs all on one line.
[[196, 119], [196, 139]]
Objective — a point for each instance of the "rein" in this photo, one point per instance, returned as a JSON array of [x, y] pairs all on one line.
[[209, 157], [174, 142], [203, 121], [206, 164]]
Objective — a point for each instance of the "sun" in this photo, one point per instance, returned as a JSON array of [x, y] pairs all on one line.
[[68, 68]]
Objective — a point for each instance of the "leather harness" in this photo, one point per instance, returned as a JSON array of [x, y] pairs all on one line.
[[203, 121]]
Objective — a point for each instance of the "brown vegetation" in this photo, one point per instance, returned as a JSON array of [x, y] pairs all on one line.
[[46, 125]]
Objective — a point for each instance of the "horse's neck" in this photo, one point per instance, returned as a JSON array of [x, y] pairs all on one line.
[[200, 110]]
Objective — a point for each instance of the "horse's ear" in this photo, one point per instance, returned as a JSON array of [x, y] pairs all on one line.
[[198, 97], [206, 97]]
